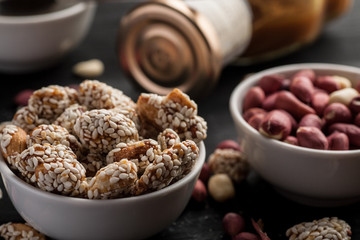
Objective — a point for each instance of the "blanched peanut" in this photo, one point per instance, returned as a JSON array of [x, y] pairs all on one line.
[[276, 124], [343, 96], [338, 141], [271, 83], [319, 101], [311, 120], [289, 102], [312, 137], [342, 81], [221, 187], [89, 69], [351, 130], [303, 88], [336, 113], [253, 98]]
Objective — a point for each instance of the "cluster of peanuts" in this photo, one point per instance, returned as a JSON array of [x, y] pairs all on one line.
[[96, 143], [305, 109]]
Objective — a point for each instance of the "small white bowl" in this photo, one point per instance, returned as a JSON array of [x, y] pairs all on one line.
[[34, 42], [63, 217], [308, 176]]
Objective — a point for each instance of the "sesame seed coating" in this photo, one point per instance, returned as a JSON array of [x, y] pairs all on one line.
[[54, 134], [168, 138], [49, 102], [114, 180], [325, 228], [175, 111], [101, 130], [231, 162], [28, 119], [68, 118], [12, 142], [171, 164], [98, 95], [19, 231], [141, 153]]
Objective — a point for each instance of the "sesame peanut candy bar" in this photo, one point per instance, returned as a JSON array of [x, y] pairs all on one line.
[[59, 171], [168, 138], [176, 111], [114, 180], [54, 134], [172, 163], [98, 95], [49, 102], [12, 143], [68, 118], [27, 119], [141, 153], [100, 130], [325, 228], [19, 231]]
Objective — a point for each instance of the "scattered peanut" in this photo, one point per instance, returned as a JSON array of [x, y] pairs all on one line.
[[89, 69], [246, 236], [233, 223], [220, 187], [205, 173], [22, 97], [229, 144], [199, 193]]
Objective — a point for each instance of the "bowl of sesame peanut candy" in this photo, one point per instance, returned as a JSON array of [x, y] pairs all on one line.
[[93, 164]]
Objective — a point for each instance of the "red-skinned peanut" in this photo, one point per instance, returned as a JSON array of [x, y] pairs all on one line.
[[271, 83], [327, 83], [246, 236], [229, 144], [290, 103], [312, 137], [311, 120], [303, 88], [291, 140], [351, 130], [256, 120], [269, 102], [355, 105], [253, 98], [199, 193], [276, 124], [357, 120], [251, 112], [319, 101], [309, 73], [337, 113], [338, 141], [233, 223]]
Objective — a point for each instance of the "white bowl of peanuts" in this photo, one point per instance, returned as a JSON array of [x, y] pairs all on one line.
[[93, 164], [299, 126]]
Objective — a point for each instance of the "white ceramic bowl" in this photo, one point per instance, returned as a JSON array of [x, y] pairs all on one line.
[[309, 176], [29, 43], [63, 217]]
